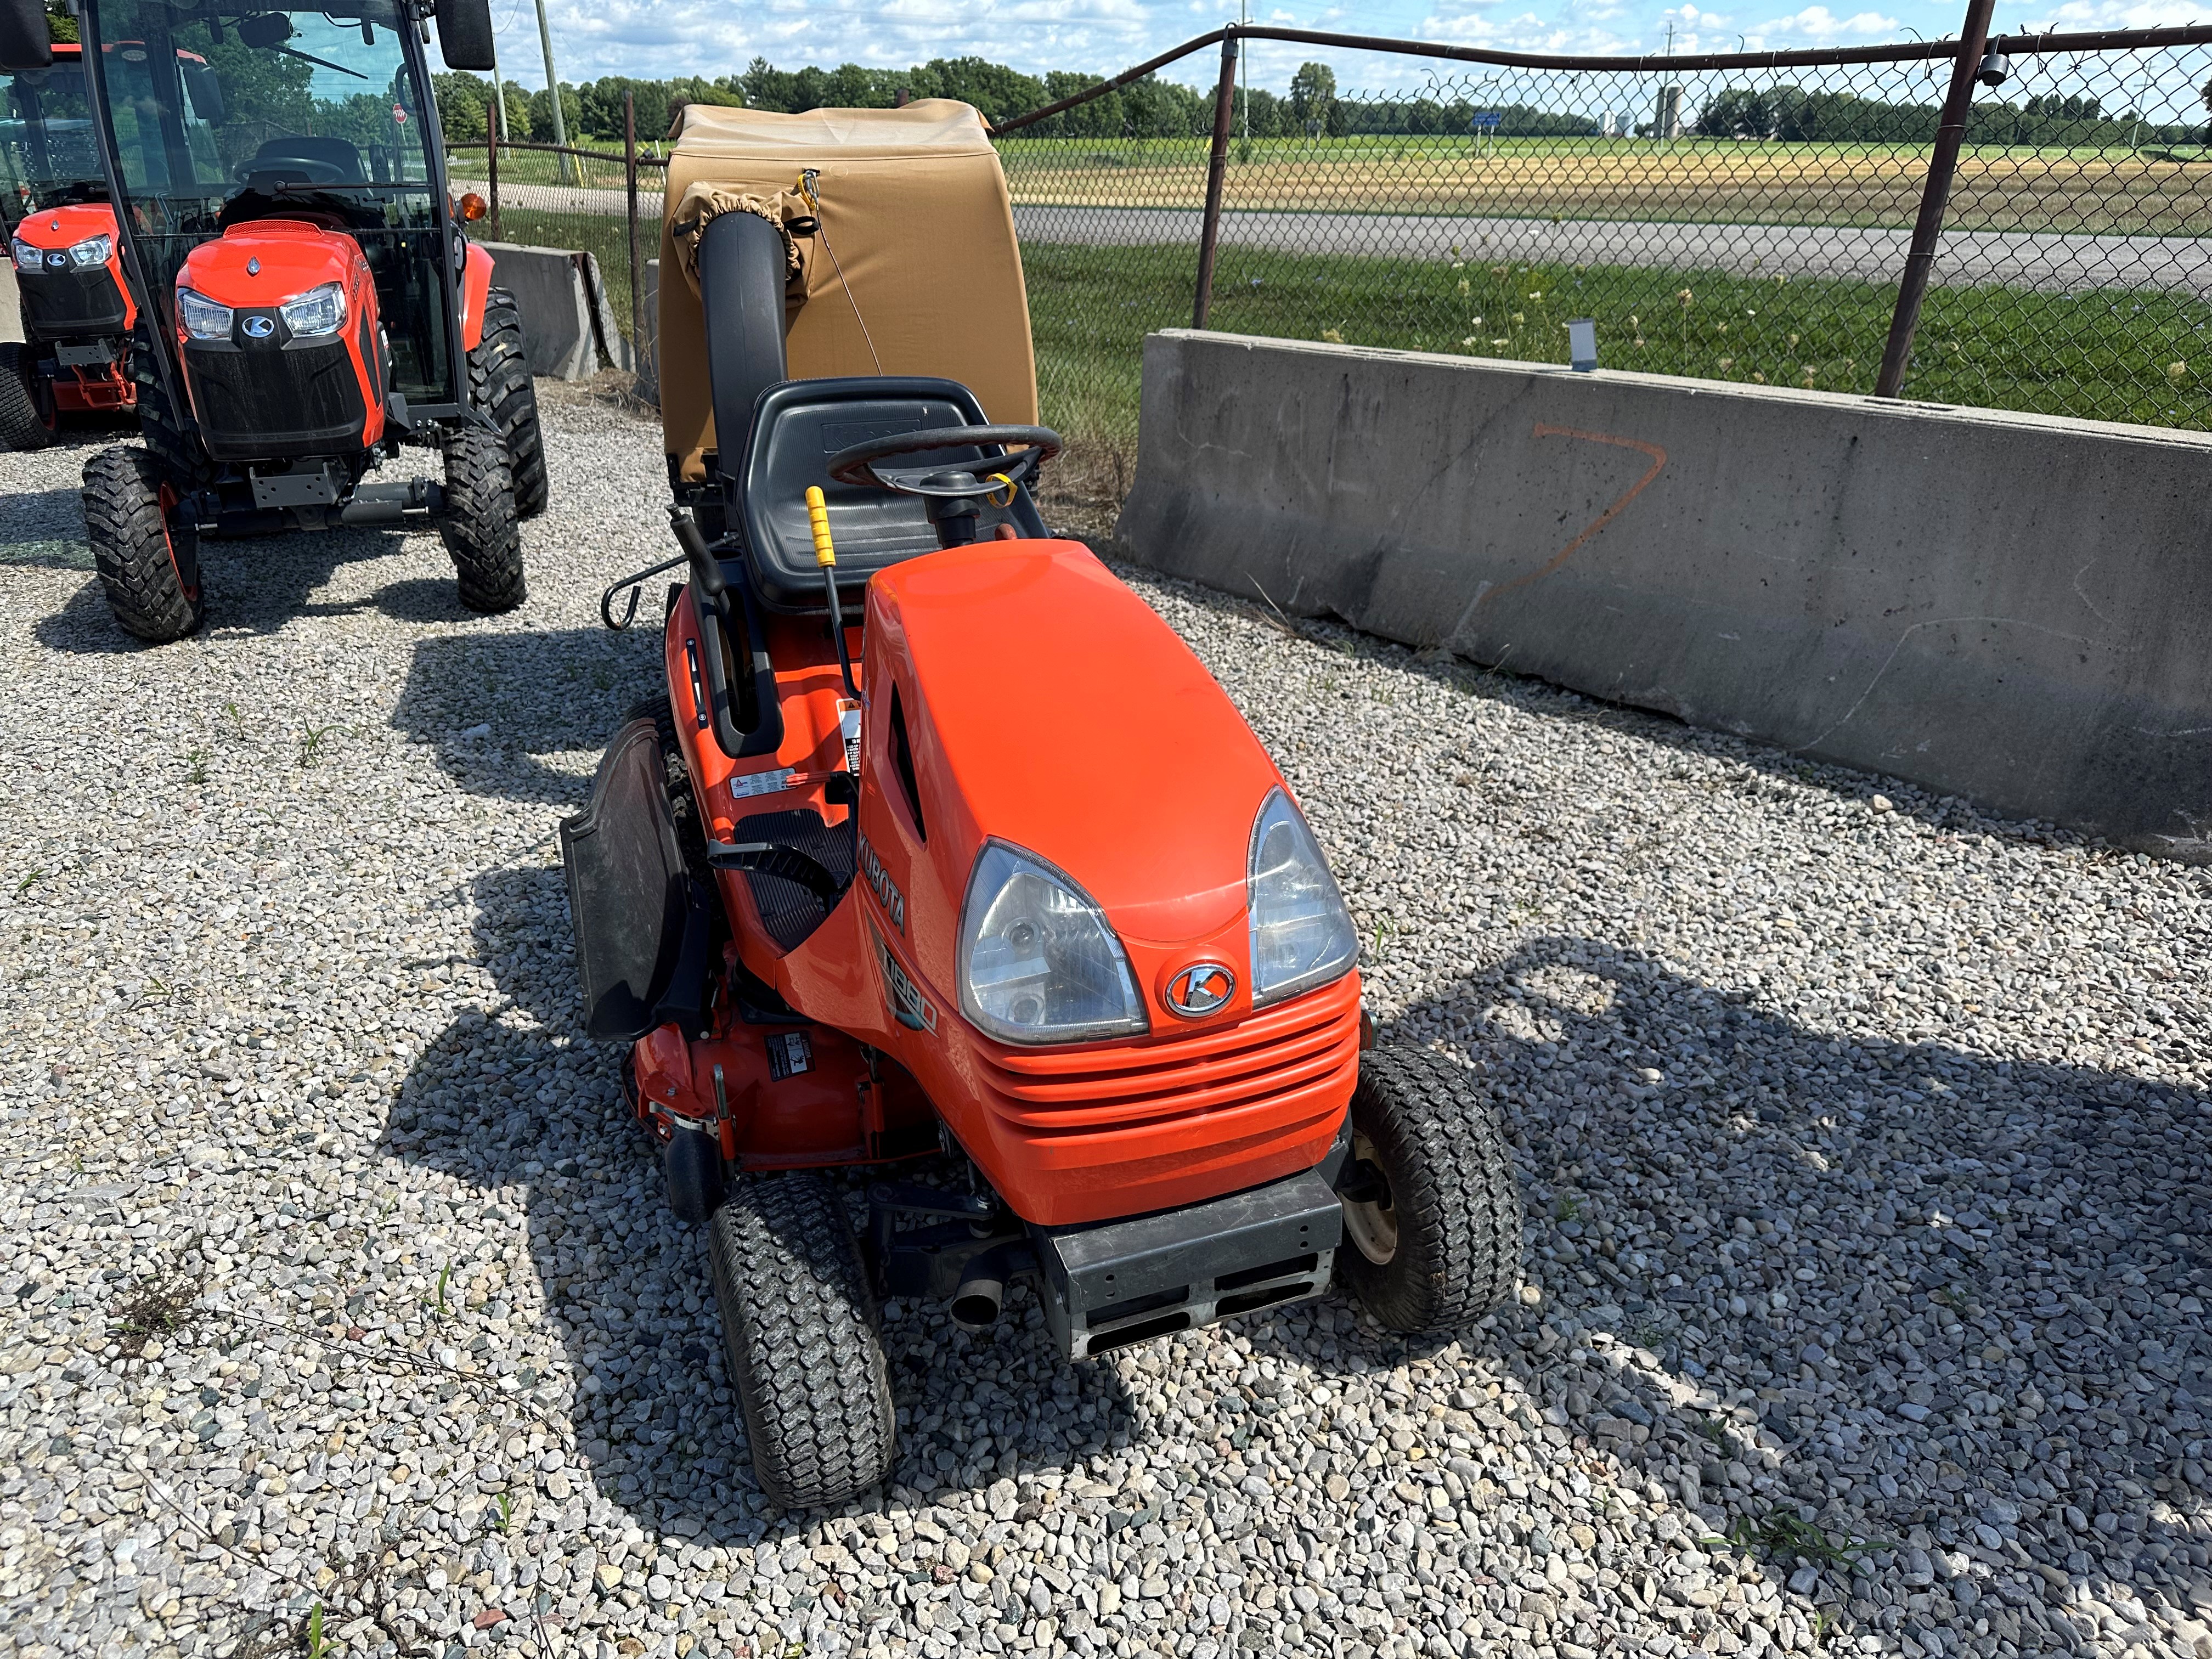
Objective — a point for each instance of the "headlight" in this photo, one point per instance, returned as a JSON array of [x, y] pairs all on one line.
[[26, 257], [319, 311], [92, 251], [1037, 961], [203, 319], [1302, 935]]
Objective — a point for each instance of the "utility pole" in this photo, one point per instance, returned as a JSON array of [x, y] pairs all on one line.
[[553, 89], [498, 97], [1243, 68]]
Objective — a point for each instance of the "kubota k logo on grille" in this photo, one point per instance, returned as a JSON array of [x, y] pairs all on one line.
[[1200, 989], [259, 328]]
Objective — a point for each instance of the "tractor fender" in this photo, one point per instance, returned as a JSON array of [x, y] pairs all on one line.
[[475, 283]]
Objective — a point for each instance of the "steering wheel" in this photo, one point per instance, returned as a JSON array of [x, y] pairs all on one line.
[[856, 464], [309, 169]]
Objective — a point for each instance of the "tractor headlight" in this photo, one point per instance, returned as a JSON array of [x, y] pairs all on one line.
[[26, 257], [1302, 935], [92, 251], [1037, 961], [203, 319], [319, 311]]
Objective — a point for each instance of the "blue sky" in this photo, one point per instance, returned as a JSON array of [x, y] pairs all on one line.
[[661, 37]]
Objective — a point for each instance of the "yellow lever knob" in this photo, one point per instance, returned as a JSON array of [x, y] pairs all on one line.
[[818, 516]]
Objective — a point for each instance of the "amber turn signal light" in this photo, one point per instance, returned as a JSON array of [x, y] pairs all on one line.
[[473, 207]]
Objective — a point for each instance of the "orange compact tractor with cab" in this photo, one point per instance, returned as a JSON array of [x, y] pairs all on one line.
[[77, 310], [309, 309], [942, 846]]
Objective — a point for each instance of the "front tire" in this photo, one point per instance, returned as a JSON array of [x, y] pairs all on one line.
[[801, 1338], [26, 421], [501, 389], [479, 526], [149, 565], [1432, 1226]]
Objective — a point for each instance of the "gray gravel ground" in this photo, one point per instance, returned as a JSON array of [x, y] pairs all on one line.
[[1865, 1141]]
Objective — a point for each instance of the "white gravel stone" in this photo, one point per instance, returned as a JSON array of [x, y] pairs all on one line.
[[1865, 1141]]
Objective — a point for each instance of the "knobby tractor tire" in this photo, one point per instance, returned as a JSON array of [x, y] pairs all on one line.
[[500, 386], [1448, 1222], [137, 553], [25, 420], [478, 524], [800, 1331]]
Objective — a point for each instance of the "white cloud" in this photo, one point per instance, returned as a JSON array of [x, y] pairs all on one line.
[[1816, 26]]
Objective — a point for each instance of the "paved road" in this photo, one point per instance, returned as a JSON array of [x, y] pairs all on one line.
[[2053, 261]]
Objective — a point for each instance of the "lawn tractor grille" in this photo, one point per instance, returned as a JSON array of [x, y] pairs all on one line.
[[1310, 1041]]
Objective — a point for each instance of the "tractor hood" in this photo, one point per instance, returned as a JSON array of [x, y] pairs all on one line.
[[1048, 706], [265, 262], [58, 229]]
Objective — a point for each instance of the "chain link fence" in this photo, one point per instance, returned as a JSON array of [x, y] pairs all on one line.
[[572, 198], [1728, 218]]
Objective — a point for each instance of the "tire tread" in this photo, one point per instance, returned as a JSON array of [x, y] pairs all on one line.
[[500, 386], [1457, 1203], [800, 1331], [130, 539]]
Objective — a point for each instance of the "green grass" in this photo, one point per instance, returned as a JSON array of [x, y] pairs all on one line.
[[605, 237], [2104, 354]]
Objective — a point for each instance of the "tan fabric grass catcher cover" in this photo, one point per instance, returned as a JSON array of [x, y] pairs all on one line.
[[915, 207]]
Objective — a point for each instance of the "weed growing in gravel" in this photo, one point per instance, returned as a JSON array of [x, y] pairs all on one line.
[[28, 882], [1566, 1207], [314, 1640], [196, 768], [154, 1310], [1779, 1533], [445, 1276], [312, 740], [505, 1506]]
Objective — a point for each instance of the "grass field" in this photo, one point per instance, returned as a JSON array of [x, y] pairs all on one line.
[[1998, 188], [2111, 354]]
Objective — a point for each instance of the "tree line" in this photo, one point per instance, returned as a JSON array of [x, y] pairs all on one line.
[[1311, 107]]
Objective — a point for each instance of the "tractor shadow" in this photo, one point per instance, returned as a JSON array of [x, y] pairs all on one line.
[[252, 585], [493, 705], [1898, 1349], [45, 528], [513, 1096]]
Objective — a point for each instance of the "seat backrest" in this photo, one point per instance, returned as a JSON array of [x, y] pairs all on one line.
[[796, 428]]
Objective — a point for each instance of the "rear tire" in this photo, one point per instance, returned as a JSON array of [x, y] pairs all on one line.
[[136, 548], [478, 524], [1440, 1246], [801, 1340], [26, 420], [500, 387]]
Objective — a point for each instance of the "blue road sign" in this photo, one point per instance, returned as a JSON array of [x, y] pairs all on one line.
[[1485, 119]]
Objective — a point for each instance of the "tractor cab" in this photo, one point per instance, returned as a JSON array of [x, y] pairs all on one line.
[[49, 156], [222, 116]]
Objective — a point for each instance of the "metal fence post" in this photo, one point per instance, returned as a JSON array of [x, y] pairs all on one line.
[[491, 149], [637, 265], [1942, 164], [1217, 167]]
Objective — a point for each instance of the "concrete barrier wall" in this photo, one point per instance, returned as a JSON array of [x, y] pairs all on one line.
[[567, 320], [2008, 608]]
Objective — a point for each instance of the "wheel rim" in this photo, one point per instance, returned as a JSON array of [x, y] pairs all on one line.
[[1371, 1227]]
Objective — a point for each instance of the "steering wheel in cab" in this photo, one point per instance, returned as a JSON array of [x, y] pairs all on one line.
[[954, 495]]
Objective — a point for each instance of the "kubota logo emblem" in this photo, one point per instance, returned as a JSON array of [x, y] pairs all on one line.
[[1203, 988], [259, 328]]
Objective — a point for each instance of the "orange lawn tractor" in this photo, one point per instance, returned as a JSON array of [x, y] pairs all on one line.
[[944, 857], [76, 309], [309, 309]]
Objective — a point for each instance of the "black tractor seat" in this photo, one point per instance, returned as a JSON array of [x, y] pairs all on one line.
[[797, 426]]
